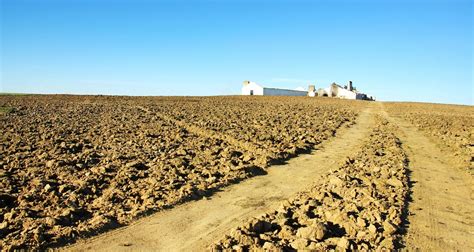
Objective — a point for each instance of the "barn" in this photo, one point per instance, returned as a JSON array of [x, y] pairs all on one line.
[[252, 88]]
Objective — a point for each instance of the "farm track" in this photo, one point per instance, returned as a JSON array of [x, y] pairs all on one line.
[[442, 197], [208, 133], [195, 225]]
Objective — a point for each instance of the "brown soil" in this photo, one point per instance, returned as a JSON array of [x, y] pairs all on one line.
[[296, 173], [436, 217], [451, 127], [359, 206], [442, 204], [74, 166], [195, 225]]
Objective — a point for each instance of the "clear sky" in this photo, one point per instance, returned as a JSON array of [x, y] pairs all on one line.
[[402, 50]]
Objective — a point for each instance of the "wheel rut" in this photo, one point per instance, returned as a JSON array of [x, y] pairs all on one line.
[[196, 224], [442, 205]]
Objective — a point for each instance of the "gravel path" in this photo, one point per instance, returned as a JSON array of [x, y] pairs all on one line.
[[195, 225]]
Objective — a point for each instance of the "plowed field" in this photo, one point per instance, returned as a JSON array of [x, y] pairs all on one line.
[[293, 173]]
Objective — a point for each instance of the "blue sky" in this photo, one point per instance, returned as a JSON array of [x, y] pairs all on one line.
[[395, 50]]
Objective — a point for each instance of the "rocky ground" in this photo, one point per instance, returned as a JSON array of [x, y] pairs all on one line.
[[449, 125], [359, 207], [73, 166]]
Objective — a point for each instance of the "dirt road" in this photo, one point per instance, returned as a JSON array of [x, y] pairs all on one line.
[[442, 207], [195, 225]]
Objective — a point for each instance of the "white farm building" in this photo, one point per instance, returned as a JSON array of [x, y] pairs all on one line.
[[347, 92], [252, 88], [334, 90]]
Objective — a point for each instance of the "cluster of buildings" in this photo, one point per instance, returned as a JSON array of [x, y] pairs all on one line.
[[334, 90]]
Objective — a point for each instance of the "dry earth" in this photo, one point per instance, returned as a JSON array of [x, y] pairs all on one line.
[[358, 206], [195, 225], [451, 127], [442, 204], [75, 166], [294, 174]]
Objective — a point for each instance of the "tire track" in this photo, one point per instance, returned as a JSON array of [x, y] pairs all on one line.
[[441, 209]]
